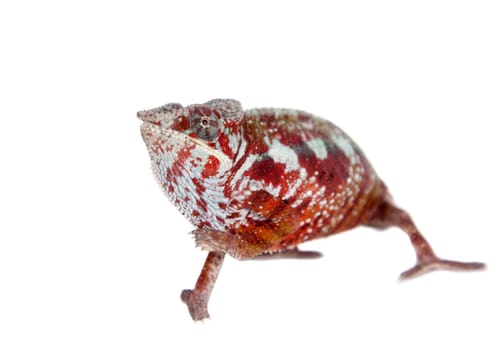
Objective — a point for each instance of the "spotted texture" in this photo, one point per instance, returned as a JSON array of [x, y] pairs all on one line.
[[267, 178]]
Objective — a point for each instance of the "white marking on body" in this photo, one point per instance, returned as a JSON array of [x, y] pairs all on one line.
[[273, 190], [344, 144], [318, 147], [284, 154]]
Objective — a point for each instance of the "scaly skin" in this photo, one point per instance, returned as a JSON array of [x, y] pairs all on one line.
[[263, 181]]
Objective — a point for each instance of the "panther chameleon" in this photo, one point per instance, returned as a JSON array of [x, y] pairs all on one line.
[[262, 181]]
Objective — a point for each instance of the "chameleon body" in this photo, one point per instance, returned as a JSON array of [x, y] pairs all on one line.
[[262, 181]]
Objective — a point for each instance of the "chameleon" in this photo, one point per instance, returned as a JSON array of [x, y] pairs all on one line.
[[259, 182]]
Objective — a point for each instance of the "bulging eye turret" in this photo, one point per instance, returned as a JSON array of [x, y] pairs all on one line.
[[205, 123]]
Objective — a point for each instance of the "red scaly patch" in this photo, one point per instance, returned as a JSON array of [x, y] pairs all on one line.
[[211, 167], [198, 186], [201, 203], [332, 171], [185, 153], [266, 170], [181, 124], [224, 144]]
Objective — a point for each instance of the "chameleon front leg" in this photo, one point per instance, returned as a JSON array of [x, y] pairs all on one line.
[[197, 299], [218, 243]]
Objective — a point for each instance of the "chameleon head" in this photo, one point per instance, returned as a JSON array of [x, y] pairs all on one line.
[[191, 150]]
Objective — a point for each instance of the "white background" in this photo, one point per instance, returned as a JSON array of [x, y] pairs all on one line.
[[93, 256]]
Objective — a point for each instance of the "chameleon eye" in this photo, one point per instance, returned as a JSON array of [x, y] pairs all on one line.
[[205, 126]]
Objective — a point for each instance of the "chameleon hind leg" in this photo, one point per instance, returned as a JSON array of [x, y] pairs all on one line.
[[388, 215]]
